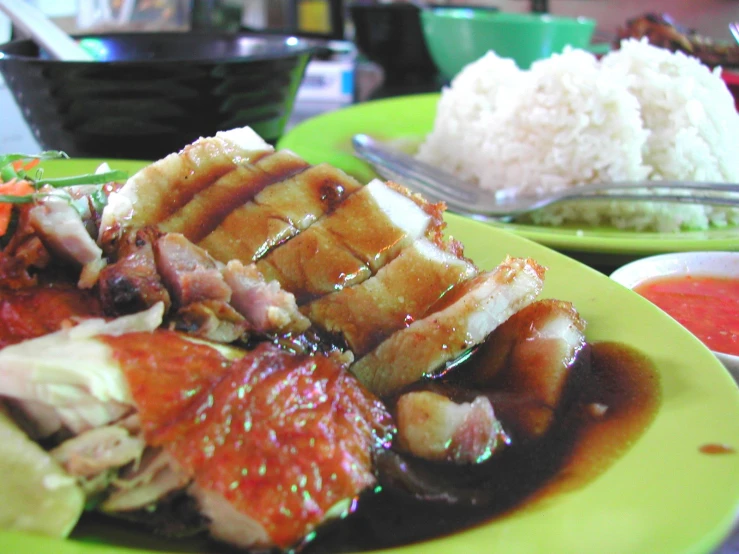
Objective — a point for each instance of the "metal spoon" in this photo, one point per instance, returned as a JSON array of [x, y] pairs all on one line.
[[33, 22]]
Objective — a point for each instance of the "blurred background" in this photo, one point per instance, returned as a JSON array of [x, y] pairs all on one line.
[[359, 51]]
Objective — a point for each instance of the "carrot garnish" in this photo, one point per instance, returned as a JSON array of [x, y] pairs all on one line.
[[13, 188]]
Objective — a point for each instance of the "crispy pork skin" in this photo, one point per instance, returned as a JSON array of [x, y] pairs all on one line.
[[133, 283], [347, 246], [462, 318], [162, 188], [529, 359], [279, 212], [206, 210], [434, 427], [400, 292]]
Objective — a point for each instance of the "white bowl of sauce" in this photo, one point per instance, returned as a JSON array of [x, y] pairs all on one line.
[[698, 289]]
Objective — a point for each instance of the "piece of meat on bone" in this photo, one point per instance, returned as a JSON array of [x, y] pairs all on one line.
[[433, 427], [132, 283], [164, 187], [462, 318], [399, 293], [282, 439], [347, 246], [278, 213], [62, 231]]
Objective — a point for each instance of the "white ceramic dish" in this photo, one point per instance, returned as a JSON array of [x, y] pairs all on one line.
[[717, 264]]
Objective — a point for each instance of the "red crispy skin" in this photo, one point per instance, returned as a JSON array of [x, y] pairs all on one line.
[[282, 437], [35, 311]]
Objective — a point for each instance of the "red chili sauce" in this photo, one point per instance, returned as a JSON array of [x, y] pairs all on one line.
[[707, 306]]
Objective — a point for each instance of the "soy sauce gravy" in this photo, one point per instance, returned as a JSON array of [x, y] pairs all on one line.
[[613, 397]]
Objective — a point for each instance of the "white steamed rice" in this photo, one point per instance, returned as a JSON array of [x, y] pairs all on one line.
[[641, 112]]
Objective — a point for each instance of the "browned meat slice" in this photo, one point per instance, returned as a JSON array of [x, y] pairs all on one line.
[[132, 283], [265, 306], [188, 272], [207, 209], [63, 232], [164, 187], [345, 247], [434, 427], [463, 317], [529, 360], [399, 293], [279, 212]]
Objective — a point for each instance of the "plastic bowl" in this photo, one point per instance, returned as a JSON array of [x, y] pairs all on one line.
[[715, 264], [149, 94], [457, 37]]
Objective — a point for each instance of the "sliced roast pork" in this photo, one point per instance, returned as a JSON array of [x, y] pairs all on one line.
[[207, 209], [347, 246], [161, 189], [402, 291], [278, 213], [62, 230], [462, 318]]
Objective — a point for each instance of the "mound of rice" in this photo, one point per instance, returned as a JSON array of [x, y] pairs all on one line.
[[641, 112]]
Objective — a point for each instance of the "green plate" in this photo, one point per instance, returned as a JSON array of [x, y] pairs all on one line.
[[663, 495], [407, 119]]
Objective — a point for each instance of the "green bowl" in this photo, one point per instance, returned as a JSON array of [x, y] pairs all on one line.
[[457, 36]]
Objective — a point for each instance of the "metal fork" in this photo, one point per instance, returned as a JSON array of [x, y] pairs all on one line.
[[467, 199]]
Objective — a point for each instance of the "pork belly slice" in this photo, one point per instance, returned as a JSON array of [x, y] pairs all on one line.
[[132, 283], [400, 292], [278, 213], [162, 188], [528, 361], [433, 427], [207, 209], [462, 318], [62, 231], [348, 245]]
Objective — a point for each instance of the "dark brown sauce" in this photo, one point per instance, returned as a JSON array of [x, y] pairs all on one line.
[[582, 444]]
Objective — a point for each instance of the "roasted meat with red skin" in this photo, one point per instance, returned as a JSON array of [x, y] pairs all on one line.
[[283, 439], [36, 311]]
